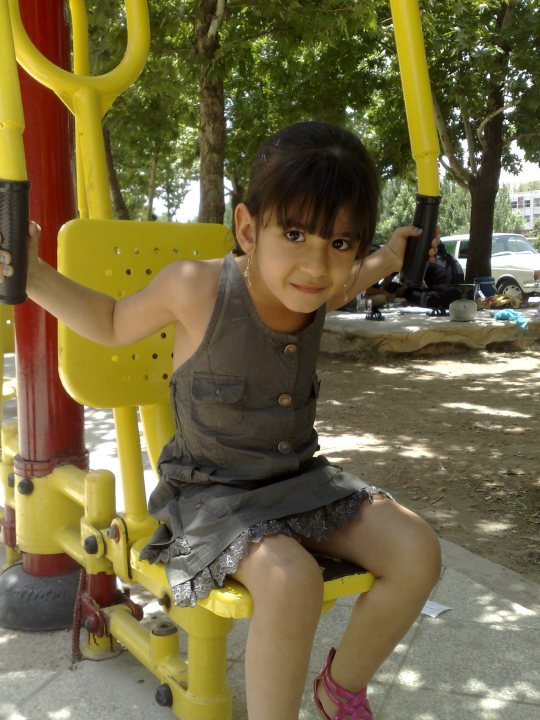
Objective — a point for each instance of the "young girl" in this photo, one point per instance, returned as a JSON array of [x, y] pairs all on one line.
[[241, 490]]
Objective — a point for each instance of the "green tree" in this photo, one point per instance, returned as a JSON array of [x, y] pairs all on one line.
[[278, 81], [234, 72], [455, 209], [505, 219], [535, 234], [485, 82], [487, 96], [527, 186], [397, 208], [258, 62], [151, 145]]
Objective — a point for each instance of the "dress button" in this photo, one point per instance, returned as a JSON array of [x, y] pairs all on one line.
[[290, 349], [284, 400], [284, 447]]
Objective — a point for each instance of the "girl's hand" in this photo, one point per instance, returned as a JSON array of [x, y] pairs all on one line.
[[6, 268], [399, 239]]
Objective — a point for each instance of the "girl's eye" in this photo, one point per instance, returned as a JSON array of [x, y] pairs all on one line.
[[295, 235], [341, 244]]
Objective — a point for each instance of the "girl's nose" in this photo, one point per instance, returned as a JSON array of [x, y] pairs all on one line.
[[315, 262]]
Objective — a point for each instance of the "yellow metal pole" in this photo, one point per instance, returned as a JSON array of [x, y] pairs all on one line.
[[137, 518], [422, 132], [13, 184], [417, 93], [89, 98], [12, 161], [66, 84], [91, 156], [81, 66]]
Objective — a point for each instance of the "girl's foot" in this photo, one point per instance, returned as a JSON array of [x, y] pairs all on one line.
[[343, 704]]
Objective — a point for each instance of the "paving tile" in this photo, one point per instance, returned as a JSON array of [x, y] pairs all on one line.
[[473, 602], [492, 661], [421, 704], [119, 688], [20, 685]]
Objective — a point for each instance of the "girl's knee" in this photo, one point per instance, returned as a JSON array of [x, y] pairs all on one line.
[[421, 552], [284, 573]]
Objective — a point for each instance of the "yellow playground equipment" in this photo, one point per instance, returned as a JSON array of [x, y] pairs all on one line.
[[76, 509]]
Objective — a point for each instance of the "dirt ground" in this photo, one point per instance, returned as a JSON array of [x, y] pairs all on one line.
[[456, 440]]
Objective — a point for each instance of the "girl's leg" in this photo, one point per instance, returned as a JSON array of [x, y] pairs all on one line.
[[285, 583], [403, 553]]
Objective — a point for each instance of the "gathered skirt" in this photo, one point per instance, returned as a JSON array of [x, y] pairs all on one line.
[[316, 524]]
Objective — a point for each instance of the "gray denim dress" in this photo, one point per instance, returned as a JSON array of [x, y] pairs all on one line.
[[242, 462]]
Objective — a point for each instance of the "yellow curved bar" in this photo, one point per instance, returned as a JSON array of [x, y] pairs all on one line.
[[417, 93], [81, 66], [79, 29], [66, 84], [12, 161]]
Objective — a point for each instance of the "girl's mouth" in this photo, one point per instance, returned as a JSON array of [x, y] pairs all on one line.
[[308, 289]]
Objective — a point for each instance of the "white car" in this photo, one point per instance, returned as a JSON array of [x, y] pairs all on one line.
[[515, 263]]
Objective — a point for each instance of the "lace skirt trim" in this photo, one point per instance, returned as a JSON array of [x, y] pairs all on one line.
[[317, 524]]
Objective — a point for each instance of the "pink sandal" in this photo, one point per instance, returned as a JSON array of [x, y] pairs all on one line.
[[350, 706]]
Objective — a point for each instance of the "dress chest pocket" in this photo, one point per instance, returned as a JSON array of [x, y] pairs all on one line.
[[216, 400]]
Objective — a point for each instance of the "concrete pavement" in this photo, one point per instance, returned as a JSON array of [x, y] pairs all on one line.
[[479, 660]]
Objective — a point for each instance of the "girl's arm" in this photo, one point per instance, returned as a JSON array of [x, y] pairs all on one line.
[[95, 315]]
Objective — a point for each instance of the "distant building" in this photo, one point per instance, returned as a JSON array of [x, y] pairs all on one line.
[[527, 204]]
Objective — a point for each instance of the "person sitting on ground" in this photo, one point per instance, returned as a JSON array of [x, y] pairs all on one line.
[[440, 283]]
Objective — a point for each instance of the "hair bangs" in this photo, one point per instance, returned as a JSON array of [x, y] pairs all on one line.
[[311, 194]]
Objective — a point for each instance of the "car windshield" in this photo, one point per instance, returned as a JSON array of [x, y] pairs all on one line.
[[512, 244], [520, 245]]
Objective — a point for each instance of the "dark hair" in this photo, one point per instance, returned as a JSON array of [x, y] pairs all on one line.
[[309, 171]]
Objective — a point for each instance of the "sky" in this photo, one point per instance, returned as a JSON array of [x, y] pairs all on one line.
[[529, 172]]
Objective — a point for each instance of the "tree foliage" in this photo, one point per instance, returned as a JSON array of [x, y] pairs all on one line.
[[397, 208], [268, 64], [487, 94], [152, 126]]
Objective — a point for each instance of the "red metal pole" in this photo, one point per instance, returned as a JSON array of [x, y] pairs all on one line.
[[51, 424]]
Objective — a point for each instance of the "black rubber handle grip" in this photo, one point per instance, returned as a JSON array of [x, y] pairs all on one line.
[[14, 212], [417, 250]]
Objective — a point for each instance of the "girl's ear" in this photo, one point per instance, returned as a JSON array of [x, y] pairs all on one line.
[[244, 223]]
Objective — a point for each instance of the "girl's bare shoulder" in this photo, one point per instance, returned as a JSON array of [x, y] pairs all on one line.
[[188, 282]]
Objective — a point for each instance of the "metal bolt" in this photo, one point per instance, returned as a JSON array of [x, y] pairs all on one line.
[[91, 624], [11, 480], [91, 545], [164, 628], [164, 696], [114, 533], [25, 486]]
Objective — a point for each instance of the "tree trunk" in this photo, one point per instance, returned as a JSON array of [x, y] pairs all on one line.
[[483, 188], [484, 185], [119, 206], [212, 112], [152, 188]]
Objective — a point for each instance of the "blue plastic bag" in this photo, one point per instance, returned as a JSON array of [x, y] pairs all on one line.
[[513, 316]]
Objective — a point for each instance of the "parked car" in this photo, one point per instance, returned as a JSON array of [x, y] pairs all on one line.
[[515, 263]]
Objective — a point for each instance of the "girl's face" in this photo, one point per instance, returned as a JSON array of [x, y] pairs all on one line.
[[299, 270]]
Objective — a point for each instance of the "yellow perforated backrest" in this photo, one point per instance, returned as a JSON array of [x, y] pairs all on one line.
[[119, 258]]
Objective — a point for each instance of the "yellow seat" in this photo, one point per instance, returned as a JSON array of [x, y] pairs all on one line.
[[119, 258]]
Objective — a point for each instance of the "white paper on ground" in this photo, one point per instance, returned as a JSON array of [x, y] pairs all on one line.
[[433, 609]]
